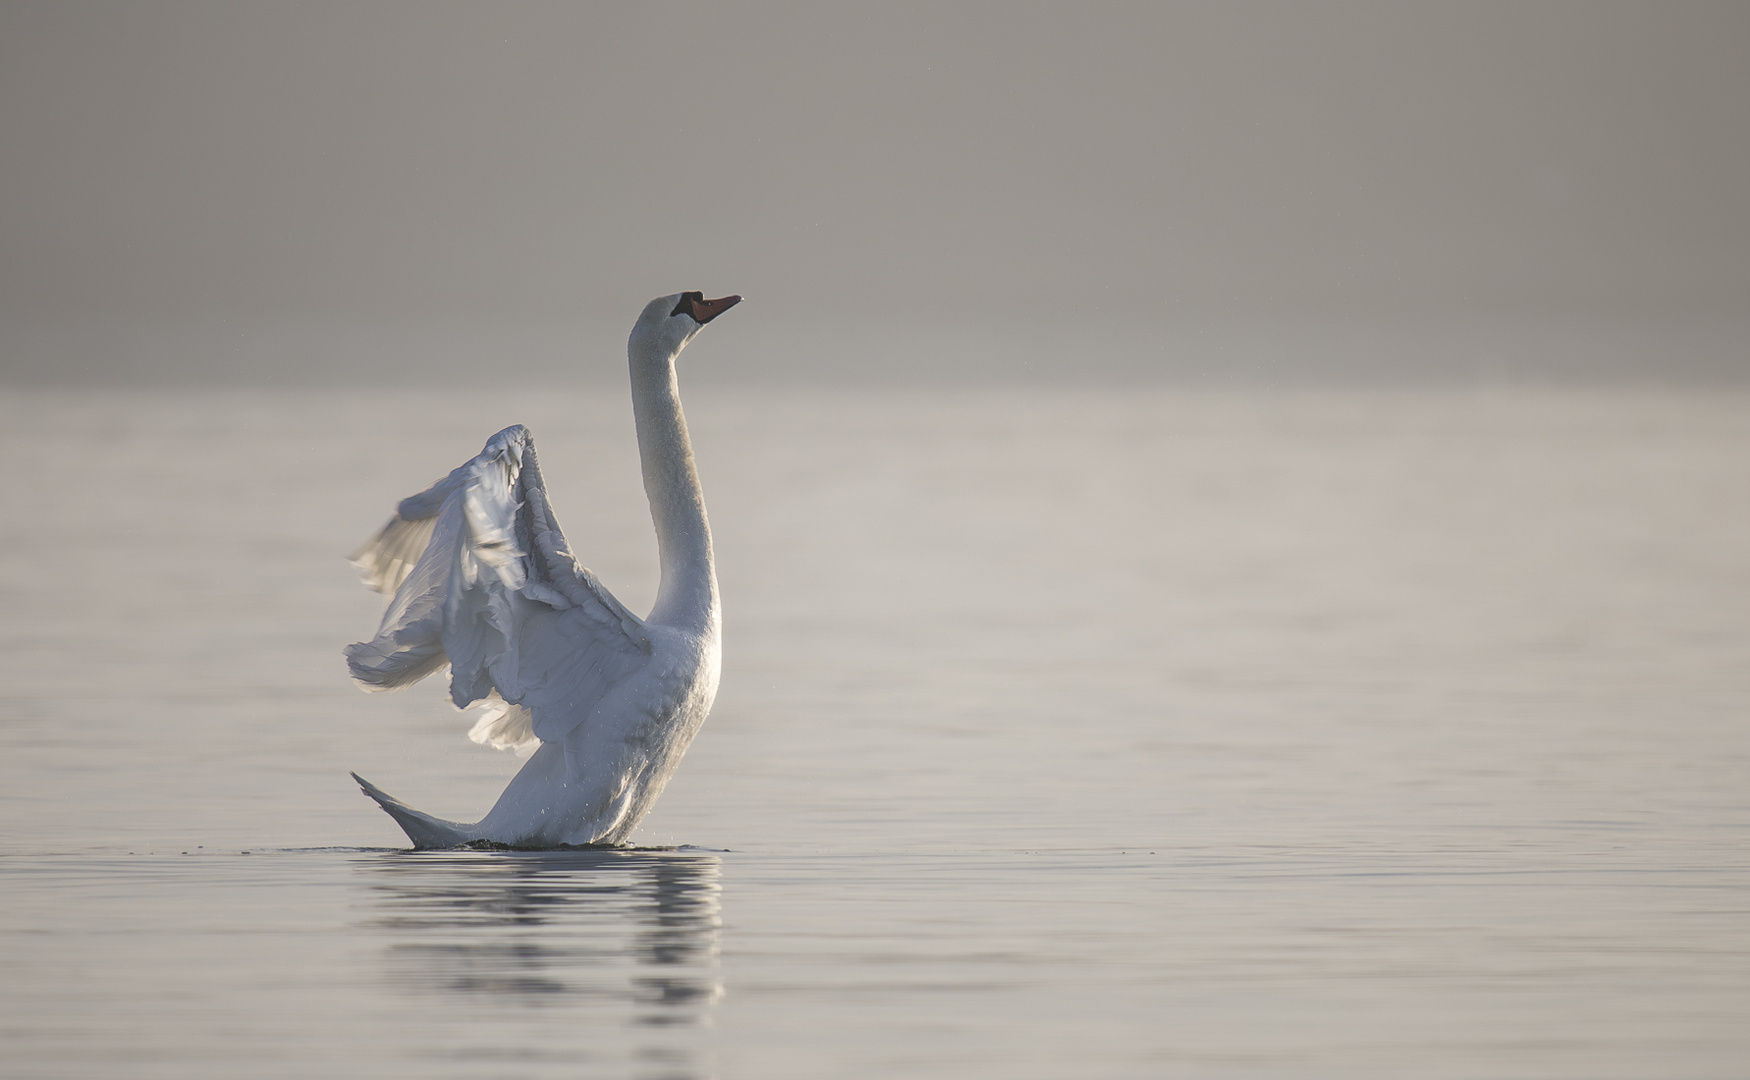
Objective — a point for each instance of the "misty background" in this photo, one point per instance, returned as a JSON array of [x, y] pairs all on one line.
[[398, 192]]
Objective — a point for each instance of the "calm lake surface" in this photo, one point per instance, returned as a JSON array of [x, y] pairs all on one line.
[[1096, 734]]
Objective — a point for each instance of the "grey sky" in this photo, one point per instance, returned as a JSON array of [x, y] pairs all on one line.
[[187, 165]]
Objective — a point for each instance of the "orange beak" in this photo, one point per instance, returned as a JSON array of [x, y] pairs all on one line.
[[706, 310]]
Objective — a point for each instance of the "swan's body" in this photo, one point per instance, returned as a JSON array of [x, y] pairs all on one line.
[[482, 579]]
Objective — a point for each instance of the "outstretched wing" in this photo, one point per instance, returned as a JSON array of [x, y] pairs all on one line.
[[482, 580]]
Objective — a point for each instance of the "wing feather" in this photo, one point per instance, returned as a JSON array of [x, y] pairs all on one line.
[[503, 726], [483, 579], [388, 557]]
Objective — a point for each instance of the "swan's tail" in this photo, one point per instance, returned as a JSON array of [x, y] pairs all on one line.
[[424, 830]]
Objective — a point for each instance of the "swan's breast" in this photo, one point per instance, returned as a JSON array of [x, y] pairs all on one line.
[[674, 691]]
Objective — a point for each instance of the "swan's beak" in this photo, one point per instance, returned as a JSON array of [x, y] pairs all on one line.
[[706, 310]]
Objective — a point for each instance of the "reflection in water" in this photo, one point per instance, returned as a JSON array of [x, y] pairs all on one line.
[[628, 937]]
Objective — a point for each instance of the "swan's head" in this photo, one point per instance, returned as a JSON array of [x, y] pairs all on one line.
[[669, 322]]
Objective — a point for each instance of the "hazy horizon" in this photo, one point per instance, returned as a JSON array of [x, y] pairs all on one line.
[[196, 192]]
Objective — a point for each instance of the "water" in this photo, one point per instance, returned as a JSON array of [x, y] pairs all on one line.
[[1097, 734]]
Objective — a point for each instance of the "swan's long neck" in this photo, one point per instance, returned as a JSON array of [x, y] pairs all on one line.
[[687, 597]]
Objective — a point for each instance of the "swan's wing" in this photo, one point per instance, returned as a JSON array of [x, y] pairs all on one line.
[[504, 726], [496, 593], [388, 557]]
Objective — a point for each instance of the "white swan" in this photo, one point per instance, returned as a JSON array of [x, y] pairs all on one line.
[[482, 579]]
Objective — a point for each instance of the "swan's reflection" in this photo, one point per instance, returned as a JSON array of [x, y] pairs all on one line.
[[630, 933]]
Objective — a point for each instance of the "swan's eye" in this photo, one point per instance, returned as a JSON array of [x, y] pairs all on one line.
[[685, 306]]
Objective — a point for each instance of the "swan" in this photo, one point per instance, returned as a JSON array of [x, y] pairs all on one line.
[[481, 578]]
